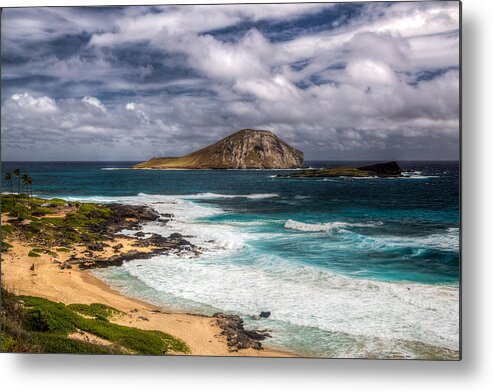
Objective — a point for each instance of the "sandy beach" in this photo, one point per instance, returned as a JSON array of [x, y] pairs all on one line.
[[47, 280]]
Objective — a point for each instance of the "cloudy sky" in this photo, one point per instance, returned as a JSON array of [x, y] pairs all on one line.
[[338, 81]]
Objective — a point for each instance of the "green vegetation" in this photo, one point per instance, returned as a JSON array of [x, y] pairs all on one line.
[[19, 211], [33, 254], [33, 324], [98, 311], [78, 226], [7, 229], [5, 246]]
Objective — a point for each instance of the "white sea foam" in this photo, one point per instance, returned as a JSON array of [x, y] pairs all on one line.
[[308, 296], [327, 227], [209, 195], [186, 219], [445, 241], [416, 175]]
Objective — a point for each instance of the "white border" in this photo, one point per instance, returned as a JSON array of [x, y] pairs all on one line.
[[141, 374]]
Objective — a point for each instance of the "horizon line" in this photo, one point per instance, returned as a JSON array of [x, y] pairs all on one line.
[[307, 160]]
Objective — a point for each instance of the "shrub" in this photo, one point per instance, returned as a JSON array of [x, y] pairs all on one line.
[[7, 230], [36, 226], [99, 311], [20, 211], [47, 317], [5, 246]]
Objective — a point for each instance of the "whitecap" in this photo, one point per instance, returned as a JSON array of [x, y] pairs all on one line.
[[210, 195], [308, 296], [327, 227]]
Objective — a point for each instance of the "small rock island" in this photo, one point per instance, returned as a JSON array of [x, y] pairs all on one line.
[[388, 169], [245, 149]]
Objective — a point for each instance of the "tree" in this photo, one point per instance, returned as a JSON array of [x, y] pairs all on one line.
[[30, 184], [17, 173], [27, 181], [8, 177]]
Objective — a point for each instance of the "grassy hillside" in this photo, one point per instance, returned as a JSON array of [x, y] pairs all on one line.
[[32, 324]]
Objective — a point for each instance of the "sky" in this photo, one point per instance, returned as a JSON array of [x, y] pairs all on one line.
[[340, 81]]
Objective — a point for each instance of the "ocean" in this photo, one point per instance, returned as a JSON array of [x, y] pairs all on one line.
[[361, 268]]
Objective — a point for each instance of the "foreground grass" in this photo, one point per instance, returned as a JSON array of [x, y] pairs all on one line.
[[32, 324]]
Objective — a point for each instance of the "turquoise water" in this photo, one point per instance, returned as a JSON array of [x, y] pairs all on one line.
[[348, 267]]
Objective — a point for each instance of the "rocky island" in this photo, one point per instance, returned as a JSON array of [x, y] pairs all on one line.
[[388, 169], [245, 149]]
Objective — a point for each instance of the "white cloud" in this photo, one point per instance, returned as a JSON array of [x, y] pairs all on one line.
[[39, 104], [357, 86], [93, 101], [177, 21], [370, 72]]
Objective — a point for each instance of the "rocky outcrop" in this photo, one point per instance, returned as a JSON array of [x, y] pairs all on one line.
[[389, 169], [160, 245], [236, 335], [245, 149], [383, 169]]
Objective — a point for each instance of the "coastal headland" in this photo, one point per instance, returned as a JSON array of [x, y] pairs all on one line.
[[47, 256]]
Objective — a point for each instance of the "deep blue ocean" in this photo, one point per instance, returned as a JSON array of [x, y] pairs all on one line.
[[348, 267]]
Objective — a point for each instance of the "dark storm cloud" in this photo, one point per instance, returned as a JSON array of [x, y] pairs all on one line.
[[345, 81]]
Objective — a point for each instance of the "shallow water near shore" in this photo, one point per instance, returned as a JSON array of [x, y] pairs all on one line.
[[347, 267]]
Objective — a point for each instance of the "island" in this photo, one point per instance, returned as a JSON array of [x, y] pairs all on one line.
[[388, 169], [245, 149]]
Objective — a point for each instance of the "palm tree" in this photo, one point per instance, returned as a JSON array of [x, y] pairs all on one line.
[[26, 180], [30, 184], [17, 173], [8, 177]]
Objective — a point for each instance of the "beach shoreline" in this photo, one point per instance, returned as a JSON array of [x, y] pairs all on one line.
[[42, 276]]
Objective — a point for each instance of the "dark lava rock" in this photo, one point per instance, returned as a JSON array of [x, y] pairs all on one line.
[[117, 260], [96, 247], [118, 246], [140, 234], [174, 236], [66, 265], [383, 169], [238, 338], [264, 314], [122, 217], [184, 242]]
